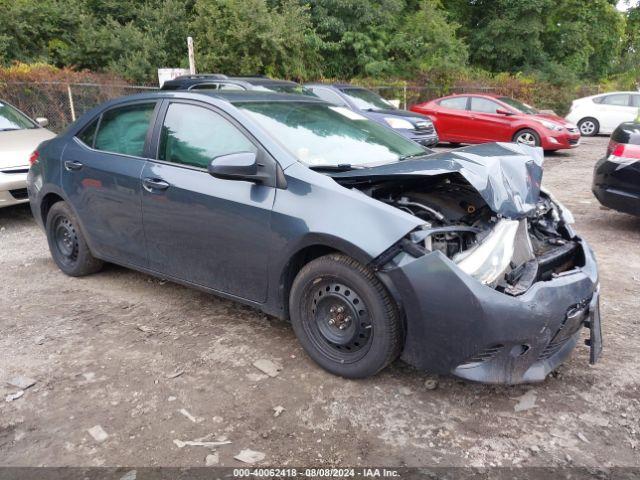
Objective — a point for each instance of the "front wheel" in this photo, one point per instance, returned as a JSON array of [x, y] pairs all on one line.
[[527, 137], [67, 244], [344, 317]]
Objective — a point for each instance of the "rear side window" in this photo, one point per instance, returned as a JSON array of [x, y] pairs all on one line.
[[619, 99], [483, 105], [205, 86], [88, 133], [194, 136], [454, 103], [124, 129]]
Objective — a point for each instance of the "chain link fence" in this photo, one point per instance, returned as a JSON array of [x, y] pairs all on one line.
[[62, 103]]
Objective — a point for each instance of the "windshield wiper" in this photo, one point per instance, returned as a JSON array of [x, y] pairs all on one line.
[[412, 155], [341, 167], [8, 129]]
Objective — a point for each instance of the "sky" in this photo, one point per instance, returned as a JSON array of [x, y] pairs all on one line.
[[624, 4]]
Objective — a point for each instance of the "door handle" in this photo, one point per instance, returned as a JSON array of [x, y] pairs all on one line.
[[154, 184], [71, 165]]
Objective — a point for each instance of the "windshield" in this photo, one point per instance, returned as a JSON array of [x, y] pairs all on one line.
[[521, 107], [322, 135], [13, 119], [284, 88], [366, 99]]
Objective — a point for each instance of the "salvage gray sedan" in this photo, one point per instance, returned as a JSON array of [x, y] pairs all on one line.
[[373, 247]]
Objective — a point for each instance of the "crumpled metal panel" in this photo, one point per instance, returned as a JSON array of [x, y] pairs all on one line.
[[507, 175]]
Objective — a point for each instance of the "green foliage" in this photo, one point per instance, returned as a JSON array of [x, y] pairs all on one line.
[[433, 42], [245, 37]]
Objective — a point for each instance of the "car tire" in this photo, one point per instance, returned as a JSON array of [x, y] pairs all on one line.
[[527, 136], [344, 317], [589, 127], [67, 244]]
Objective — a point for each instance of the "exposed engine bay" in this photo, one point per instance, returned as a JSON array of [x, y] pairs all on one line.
[[504, 253]]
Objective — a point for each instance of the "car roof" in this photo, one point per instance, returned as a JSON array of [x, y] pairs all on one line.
[[186, 81], [339, 86]]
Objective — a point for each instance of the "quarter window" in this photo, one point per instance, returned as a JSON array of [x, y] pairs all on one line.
[[482, 105], [124, 129], [194, 136], [88, 134], [454, 103], [620, 99]]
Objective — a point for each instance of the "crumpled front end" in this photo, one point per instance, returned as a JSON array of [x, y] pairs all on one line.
[[457, 325]]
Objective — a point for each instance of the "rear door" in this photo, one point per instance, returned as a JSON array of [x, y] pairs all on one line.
[[486, 124], [452, 118], [614, 110], [201, 229], [101, 176]]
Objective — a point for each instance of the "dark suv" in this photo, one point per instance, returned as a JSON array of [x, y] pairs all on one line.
[[414, 126], [220, 82]]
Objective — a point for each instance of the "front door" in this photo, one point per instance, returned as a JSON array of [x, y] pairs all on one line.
[[201, 229], [101, 176], [487, 124], [616, 109]]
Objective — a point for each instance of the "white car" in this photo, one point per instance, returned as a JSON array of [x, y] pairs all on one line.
[[604, 112], [19, 137]]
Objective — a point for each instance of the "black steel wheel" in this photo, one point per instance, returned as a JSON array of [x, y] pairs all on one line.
[[67, 244], [344, 317]]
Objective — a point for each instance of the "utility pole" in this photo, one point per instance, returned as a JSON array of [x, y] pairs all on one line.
[[192, 57]]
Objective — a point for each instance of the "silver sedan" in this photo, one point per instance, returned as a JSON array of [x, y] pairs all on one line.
[[19, 137]]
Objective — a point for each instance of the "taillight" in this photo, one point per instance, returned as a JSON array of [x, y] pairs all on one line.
[[625, 154], [34, 157], [611, 147]]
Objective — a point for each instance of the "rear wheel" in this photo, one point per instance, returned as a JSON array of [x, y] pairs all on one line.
[[588, 127], [67, 244], [344, 317], [527, 137]]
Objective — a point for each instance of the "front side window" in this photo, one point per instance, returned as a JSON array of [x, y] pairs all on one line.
[[327, 95], [620, 100], [365, 99], [124, 129], [635, 100], [454, 103], [12, 119], [483, 105], [321, 135], [194, 136], [521, 107]]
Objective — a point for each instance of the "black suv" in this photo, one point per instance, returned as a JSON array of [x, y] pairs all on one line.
[[217, 81]]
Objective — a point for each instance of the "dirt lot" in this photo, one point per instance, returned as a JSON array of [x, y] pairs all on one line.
[[103, 350]]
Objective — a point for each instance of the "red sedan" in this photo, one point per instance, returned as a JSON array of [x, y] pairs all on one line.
[[475, 118]]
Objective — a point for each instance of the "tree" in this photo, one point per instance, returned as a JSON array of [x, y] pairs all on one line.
[[248, 37]]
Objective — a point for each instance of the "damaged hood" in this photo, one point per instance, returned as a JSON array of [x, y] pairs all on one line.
[[507, 175]]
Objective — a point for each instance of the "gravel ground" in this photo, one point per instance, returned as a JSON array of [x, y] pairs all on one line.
[[152, 362]]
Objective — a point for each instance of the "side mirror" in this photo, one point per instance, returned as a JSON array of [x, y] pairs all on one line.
[[501, 111], [236, 166], [42, 121]]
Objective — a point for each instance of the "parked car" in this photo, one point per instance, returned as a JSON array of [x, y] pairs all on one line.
[[616, 179], [19, 136], [370, 246], [603, 113], [219, 82], [414, 126], [475, 118]]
